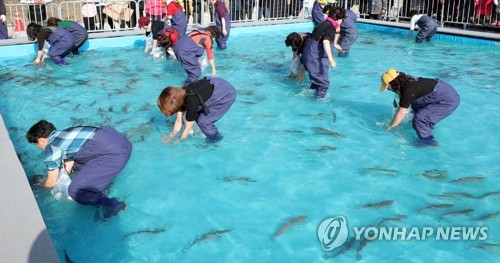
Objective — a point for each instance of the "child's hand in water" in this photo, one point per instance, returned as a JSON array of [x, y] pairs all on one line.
[[166, 139], [37, 61]]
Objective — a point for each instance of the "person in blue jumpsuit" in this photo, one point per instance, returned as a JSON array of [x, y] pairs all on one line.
[[191, 47], [61, 42], [178, 19], [427, 26], [432, 100], [99, 154], [317, 12], [317, 56], [3, 21], [223, 22], [348, 33], [79, 32], [204, 101]]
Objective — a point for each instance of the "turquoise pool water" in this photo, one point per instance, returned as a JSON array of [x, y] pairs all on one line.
[[287, 161]]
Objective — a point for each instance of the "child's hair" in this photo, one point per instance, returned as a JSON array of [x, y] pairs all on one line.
[[294, 40], [41, 129], [171, 100], [337, 13], [165, 41], [53, 21], [400, 81], [32, 30], [213, 30], [412, 13], [327, 8]]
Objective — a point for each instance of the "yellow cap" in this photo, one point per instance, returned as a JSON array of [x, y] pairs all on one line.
[[387, 77], [322, 1]]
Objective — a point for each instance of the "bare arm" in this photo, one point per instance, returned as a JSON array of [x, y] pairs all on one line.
[[224, 30], [177, 128], [52, 178], [398, 117], [69, 166], [187, 128], [212, 63], [39, 57], [328, 50]]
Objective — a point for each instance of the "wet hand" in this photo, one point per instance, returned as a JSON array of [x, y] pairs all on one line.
[[37, 61], [333, 64], [166, 139], [338, 47]]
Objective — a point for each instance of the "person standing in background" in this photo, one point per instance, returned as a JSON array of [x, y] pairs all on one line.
[[223, 22], [37, 12], [4, 34]]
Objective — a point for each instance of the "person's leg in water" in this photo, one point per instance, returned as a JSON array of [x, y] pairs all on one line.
[[219, 104], [432, 108], [97, 170]]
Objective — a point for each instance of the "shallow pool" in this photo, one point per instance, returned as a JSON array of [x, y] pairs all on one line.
[[287, 160]]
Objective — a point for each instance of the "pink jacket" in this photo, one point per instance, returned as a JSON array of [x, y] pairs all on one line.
[[155, 8]]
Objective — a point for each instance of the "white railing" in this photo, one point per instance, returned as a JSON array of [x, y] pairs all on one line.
[[114, 15]]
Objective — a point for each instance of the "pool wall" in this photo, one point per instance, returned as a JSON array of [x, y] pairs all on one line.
[[23, 236]]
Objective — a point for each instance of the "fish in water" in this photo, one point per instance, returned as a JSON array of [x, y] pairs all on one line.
[[486, 217], [323, 148], [324, 131], [147, 231], [488, 246], [334, 117], [487, 194], [208, 236], [435, 174], [93, 103], [460, 212], [289, 224], [14, 129], [293, 131], [265, 116], [469, 180], [125, 107], [453, 195], [67, 259], [378, 170], [229, 179], [76, 107], [378, 205], [434, 207], [145, 107], [78, 121]]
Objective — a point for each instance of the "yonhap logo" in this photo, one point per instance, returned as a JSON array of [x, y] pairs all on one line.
[[332, 232]]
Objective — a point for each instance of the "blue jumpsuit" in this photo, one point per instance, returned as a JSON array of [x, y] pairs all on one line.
[[428, 27], [221, 40], [317, 13], [80, 33], [348, 33], [218, 104], [433, 107], [315, 59], [179, 22], [188, 52], [61, 43]]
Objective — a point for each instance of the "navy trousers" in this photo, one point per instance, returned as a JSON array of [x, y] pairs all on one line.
[[219, 103], [221, 40], [100, 160], [433, 107]]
